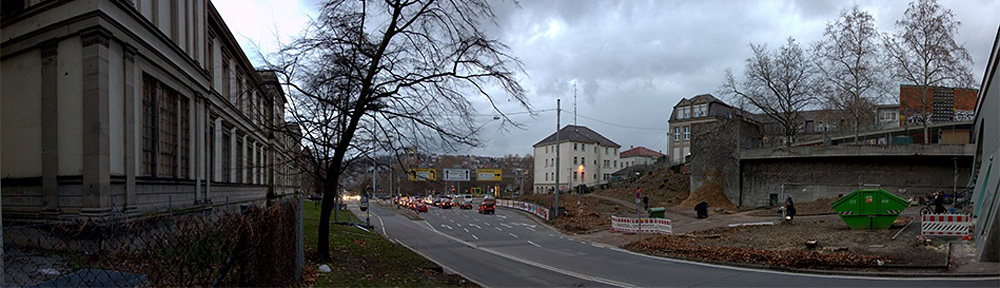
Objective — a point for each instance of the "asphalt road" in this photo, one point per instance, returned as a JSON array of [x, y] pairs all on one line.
[[509, 250]]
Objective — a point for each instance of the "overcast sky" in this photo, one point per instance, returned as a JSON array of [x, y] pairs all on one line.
[[631, 61]]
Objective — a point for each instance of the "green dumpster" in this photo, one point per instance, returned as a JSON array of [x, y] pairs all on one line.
[[869, 208], [657, 212]]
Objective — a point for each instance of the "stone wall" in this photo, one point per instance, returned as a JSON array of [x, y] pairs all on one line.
[[810, 178]]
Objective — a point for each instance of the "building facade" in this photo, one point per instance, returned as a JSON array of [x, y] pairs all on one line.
[[985, 181], [699, 109], [888, 116], [943, 104], [639, 156], [585, 157], [132, 106]]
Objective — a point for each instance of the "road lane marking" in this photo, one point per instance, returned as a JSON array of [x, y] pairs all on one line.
[[474, 236], [535, 264], [474, 225], [505, 225], [446, 226], [487, 223], [550, 235], [529, 228], [533, 243], [466, 230], [512, 234], [498, 228]]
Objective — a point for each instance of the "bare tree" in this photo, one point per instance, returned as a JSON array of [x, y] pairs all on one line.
[[386, 74], [924, 52], [850, 66], [780, 84]]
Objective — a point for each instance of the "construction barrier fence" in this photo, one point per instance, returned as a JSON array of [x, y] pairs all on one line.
[[643, 225], [539, 211], [945, 224]]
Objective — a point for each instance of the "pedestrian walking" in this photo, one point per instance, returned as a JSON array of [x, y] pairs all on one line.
[[645, 202]]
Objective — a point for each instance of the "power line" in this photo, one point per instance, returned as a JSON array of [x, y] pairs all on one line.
[[625, 126]]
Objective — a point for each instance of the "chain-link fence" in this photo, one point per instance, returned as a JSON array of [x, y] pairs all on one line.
[[246, 246]]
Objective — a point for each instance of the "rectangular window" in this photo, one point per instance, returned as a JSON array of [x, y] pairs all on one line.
[[211, 151], [227, 155], [574, 146], [185, 145], [239, 158], [583, 161], [210, 52], [574, 160], [168, 134], [605, 151], [583, 147], [574, 176], [149, 127], [687, 133], [226, 80], [677, 134], [165, 147]]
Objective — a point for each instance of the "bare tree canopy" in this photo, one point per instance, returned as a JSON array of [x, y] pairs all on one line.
[[779, 83], [924, 52], [850, 66], [387, 74]]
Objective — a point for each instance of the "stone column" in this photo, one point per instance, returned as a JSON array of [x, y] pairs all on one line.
[[96, 165], [128, 53], [50, 129]]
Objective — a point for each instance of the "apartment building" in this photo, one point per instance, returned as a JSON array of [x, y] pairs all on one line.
[[585, 157], [113, 106], [698, 109], [639, 156]]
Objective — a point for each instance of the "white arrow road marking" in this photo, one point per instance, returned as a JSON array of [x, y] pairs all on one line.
[[533, 243], [512, 234]]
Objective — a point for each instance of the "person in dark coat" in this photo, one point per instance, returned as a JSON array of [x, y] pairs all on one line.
[[645, 202], [789, 208], [938, 202]]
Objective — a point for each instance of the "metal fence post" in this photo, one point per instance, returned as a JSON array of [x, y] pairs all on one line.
[[300, 253]]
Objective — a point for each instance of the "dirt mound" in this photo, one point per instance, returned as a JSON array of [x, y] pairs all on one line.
[[711, 193]]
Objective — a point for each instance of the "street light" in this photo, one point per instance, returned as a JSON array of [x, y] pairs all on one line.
[[579, 191]]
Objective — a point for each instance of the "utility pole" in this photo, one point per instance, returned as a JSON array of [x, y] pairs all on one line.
[[555, 210]]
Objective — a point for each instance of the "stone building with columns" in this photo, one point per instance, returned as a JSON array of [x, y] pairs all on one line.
[[131, 106]]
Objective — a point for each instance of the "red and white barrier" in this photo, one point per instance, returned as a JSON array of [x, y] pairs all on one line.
[[645, 225], [945, 224]]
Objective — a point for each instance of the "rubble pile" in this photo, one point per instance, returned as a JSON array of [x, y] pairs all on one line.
[[710, 192], [686, 247]]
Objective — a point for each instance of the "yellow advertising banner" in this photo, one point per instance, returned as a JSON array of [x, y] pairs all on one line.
[[422, 174], [489, 174]]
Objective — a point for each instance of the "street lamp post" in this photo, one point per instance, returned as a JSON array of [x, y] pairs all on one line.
[[555, 208]]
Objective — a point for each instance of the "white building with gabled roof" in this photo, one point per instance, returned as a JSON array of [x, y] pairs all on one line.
[[586, 157]]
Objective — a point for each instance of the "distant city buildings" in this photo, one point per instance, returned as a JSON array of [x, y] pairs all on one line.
[[586, 157]]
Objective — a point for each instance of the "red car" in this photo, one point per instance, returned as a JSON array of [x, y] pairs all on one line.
[[488, 206], [421, 207]]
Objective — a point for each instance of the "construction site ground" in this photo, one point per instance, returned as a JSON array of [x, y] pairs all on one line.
[[759, 237]]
